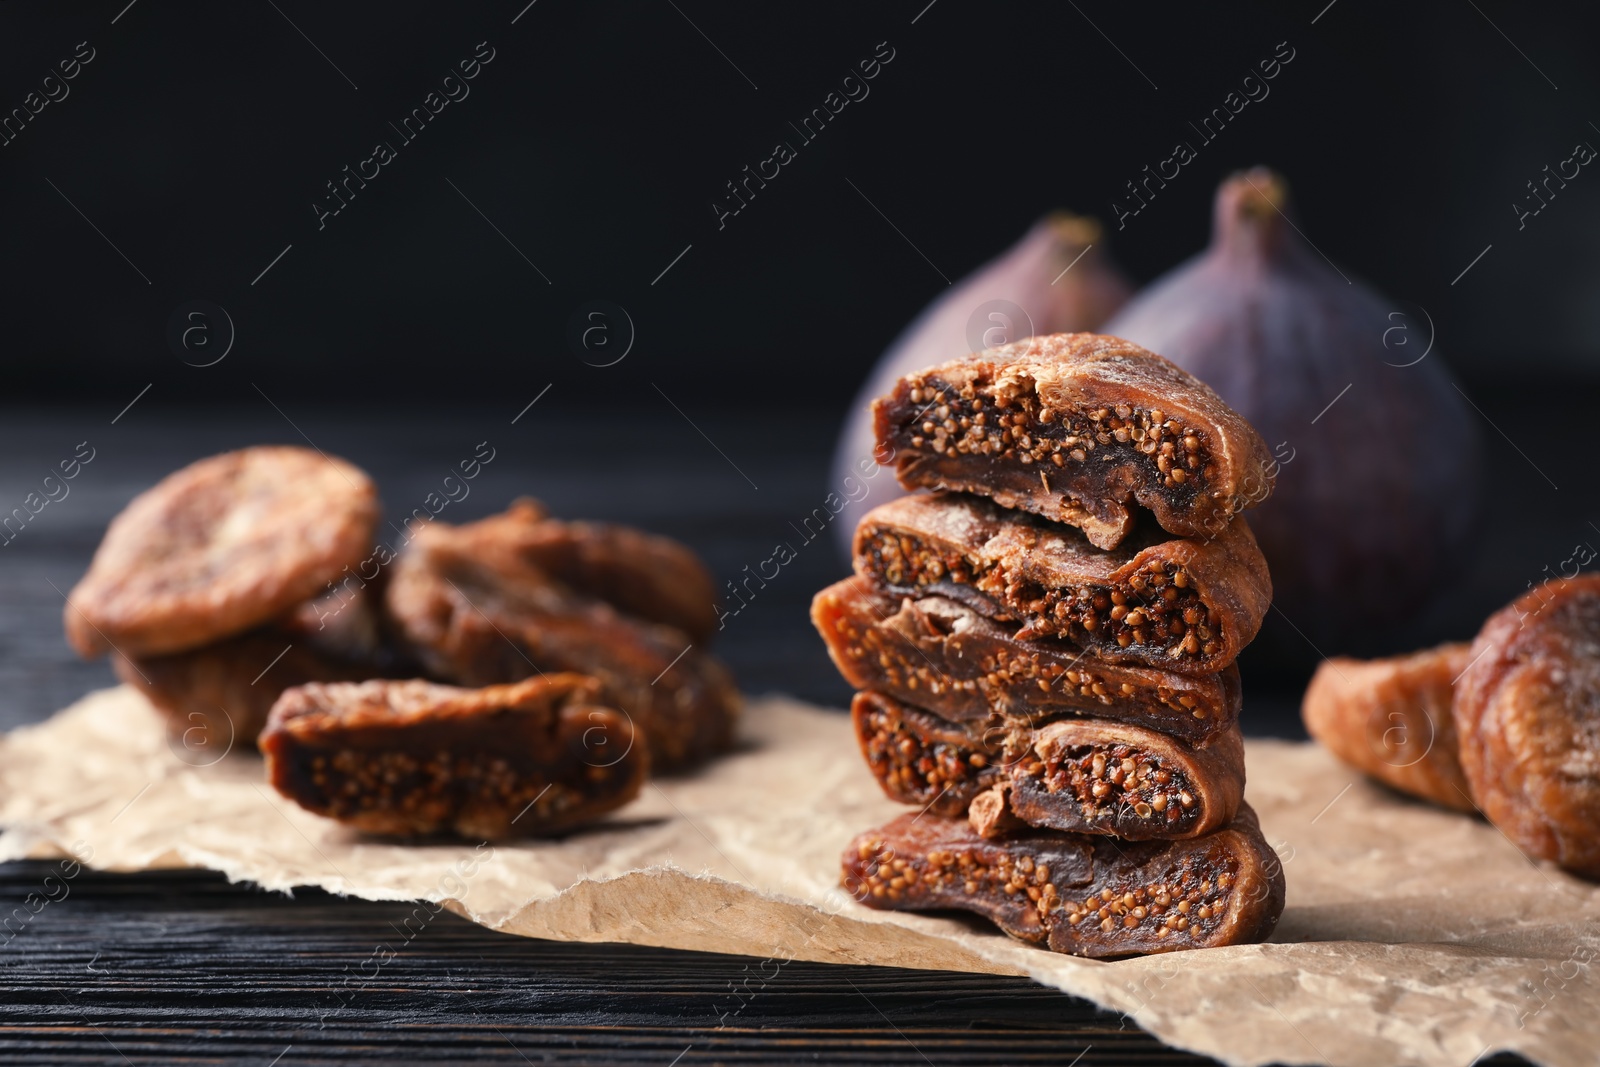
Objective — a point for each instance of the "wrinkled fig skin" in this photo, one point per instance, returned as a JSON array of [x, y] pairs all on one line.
[[1028, 275], [220, 547], [1079, 428], [1392, 719], [1180, 605], [1377, 493], [921, 759], [415, 758], [216, 698], [483, 622], [640, 574], [1073, 893], [1135, 784], [939, 654], [1528, 715]]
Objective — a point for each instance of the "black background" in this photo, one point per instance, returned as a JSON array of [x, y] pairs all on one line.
[[201, 134]]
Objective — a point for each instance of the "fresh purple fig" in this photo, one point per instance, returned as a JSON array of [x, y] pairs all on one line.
[[1056, 279], [1378, 450]]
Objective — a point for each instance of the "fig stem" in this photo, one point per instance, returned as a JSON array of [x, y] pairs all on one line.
[[1250, 213]]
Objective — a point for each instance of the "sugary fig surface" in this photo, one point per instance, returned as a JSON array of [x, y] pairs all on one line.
[[1527, 713], [640, 574], [1111, 778], [220, 547], [216, 697], [415, 758], [489, 621], [1392, 719], [919, 758], [1076, 893], [939, 654], [1079, 428], [1170, 603]]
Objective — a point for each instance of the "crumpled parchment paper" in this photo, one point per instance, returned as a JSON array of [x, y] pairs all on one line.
[[1412, 935]]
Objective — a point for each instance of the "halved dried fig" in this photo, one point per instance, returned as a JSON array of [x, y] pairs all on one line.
[[1077, 427], [919, 758], [939, 654], [1175, 604], [1082, 775], [412, 757], [1075, 893], [1102, 777]]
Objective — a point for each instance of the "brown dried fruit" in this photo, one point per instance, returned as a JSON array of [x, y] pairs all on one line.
[[216, 697], [1079, 428], [1081, 894], [1078, 775], [1381, 455], [484, 621], [1527, 712], [1391, 718], [1175, 604], [417, 758], [1099, 777], [941, 655], [921, 759], [640, 574], [1060, 279], [220, 547]]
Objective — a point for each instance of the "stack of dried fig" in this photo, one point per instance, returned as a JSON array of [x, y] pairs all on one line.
[[1043, 637]]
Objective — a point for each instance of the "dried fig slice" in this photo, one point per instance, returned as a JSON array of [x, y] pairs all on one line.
[[640, 574], [216, 697], [1392, 719], [1175, 604], [1081, 775], [1077, 427], [496, 620], [1527, 713], [941, 655], [220, 547], [919, 758], [415, 758], [1101, 777], [1074, 893]]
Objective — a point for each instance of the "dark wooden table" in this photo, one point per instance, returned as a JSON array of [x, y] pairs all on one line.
[[183, 967]]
